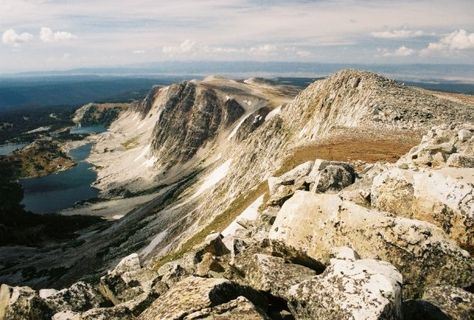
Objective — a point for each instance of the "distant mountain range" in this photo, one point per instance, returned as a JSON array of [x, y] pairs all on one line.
[[459, 72]]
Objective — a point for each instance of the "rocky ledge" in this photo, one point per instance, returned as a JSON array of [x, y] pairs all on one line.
[[331, 241]]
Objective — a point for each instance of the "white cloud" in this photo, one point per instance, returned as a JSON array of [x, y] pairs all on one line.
[[456, 40], [184, 47], [398, 34], [138, 51], [48, 35], [400, 52], [263, 50], [11, 38]]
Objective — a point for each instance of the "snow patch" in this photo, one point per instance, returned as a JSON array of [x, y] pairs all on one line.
[[234, 131], [117, 216], [250, 213], [273, 113], [150, 162], [40, 129], [216, 175], [143, 153], [156, 241]]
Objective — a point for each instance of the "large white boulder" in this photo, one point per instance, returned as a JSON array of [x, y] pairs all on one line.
[[317, 223], [349, 289], [443, 197]]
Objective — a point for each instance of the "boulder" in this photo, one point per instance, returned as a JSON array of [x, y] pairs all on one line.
[[330, 176], [172, 272], [318, 176], [359, 191], [460, 161], [443, 197], [191, 295], [271, 274], [317, 223], [79, 297], [128, 281], [440, 144], [363, 289], [112, 313], [19, 303], [237, 309], [456, 303]]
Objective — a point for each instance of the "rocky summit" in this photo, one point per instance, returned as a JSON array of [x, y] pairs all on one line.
[[350, 199]]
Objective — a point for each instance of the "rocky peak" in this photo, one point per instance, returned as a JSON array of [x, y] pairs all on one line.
[[144, 106], [351, 98], [191, 116]]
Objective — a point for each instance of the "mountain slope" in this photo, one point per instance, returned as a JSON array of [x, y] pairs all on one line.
[[215, 164]]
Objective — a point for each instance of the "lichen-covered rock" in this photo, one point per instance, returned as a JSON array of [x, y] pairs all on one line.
[[79, 297], [283, 187], [172, 272], [457, 303], [271, 274], [363, 289], [20, 303], [112, 313], [443, 197], [318, 176], [440, 144], [237, 309], [128, 281], [330, 176], [317, 223], [191, 295]]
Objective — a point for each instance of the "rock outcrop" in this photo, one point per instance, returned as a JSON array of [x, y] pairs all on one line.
[[349, 289], [98, 114]]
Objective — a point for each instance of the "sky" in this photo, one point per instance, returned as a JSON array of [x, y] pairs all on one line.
[[64, 34]]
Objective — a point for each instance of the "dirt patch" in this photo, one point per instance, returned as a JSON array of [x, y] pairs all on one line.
[[350, 149]]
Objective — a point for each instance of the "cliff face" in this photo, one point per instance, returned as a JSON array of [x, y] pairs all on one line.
[[192, 116], [98, 114], [203, 151]]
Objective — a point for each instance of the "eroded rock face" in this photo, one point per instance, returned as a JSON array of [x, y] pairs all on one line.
[[456, 303], [132, 287], [19, 303], [318, 176], [251, 123], [349, 289], [191, 116], [446, 145], [113, 313], [238, 309], [315, 224], [192, 295], [271, 274], [443, 197], [79, 297]]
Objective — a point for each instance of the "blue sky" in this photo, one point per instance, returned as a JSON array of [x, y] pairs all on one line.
[[64, 34]]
